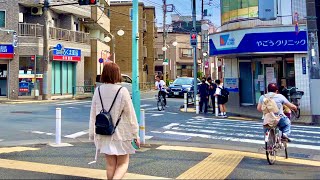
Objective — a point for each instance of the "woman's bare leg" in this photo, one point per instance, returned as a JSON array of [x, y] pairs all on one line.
[[111, 162], [122, 166]]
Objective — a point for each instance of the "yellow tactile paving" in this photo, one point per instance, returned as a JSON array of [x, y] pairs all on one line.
[[216, 166], [240, 118], [65, 170], [245, 154], [16, 149]]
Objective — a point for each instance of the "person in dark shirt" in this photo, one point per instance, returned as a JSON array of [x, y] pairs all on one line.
[[204, 95], [212, 90]]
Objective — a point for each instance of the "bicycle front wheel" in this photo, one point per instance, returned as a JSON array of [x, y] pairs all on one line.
[[297, 113], [271, 153], [286, 150], [160, 107]]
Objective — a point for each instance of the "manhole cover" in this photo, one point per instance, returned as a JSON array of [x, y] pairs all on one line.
[[21, 112]]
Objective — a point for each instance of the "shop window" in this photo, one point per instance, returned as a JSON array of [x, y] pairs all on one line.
[[30, 75], [186, 53], [2, 19], [3, 79]]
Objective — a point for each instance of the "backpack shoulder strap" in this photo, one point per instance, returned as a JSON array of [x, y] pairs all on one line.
[[101, 99], [114, 99]]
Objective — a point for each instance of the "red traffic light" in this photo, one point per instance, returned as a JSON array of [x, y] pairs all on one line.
[[93, 1], [193, 36]]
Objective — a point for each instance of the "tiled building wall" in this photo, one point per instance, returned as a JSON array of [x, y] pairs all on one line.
[[303, 83]]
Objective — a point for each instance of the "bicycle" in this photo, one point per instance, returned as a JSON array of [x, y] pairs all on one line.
[[160, 103], [294, 97], [274, 143]]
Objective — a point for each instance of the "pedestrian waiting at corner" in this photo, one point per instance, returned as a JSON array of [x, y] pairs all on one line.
[[223, 97], [204, 95]]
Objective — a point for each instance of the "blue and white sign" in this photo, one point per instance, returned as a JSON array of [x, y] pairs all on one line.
[[67, 54], [261, 40], [6, 51], [59, 47]]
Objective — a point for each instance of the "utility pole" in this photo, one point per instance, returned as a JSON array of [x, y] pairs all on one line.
[[45, 84], [135, 59], [202, 42], [164, 40], [313, 56], [194, 51]]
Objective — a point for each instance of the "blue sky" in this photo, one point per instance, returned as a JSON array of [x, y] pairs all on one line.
[[184, 8]]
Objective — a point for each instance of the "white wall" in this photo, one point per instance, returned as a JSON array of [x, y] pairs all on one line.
[[302, 83]]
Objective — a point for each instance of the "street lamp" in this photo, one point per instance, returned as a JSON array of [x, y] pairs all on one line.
[[108, 39]]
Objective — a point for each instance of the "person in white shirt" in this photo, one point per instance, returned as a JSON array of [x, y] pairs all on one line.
[[161, 86], [221, 100]]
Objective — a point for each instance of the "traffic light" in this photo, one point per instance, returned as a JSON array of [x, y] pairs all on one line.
[[87, 2], [193, 39]]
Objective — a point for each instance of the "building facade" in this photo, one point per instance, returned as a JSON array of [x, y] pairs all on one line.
[[78, 29], [179, 53], [252, 53], [121, 18]]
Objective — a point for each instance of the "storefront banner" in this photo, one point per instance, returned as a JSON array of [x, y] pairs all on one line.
[[66, 54], [6, 51], [258, 41], [232, 84]]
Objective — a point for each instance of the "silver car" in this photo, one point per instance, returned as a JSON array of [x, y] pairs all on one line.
[[126, 82]]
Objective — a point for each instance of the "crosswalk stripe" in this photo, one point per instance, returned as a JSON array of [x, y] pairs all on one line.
[[78, 134], [244, 140]]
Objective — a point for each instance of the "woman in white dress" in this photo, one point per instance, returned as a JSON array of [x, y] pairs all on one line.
[[116, 147]]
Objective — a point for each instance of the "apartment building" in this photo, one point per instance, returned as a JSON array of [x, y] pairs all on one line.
[[179, 53], [121, 19], [80, 30]]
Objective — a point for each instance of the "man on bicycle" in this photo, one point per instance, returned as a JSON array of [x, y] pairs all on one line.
[[284, 123], [161, 86]]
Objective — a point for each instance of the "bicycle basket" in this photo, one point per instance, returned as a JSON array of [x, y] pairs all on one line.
[[297, 95]]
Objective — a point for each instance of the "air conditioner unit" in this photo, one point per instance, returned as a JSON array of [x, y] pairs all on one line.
[[36, 11]]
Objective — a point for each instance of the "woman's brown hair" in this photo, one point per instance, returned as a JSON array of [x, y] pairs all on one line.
[[111, 73]]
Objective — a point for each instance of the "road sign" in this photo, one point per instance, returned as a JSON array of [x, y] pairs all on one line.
[[100, 60], [165, 62], [193, 39], [59, 47]]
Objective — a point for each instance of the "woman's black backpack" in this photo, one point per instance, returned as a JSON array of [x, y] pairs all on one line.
[[104, 123]]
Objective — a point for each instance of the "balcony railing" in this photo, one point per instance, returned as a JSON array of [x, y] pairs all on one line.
[[36, 30]]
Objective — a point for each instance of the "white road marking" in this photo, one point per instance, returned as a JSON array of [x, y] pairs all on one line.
[[1, 140], [302, 146], [37, 132], [72, 108], [157, 132], [78, 134], [156, 115], [75, 102], [148, 98], [49, 134], [148, 137], [145, 105], [169, 126]]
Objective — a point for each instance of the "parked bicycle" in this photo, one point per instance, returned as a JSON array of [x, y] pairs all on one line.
[[274, 143], [160, 103], [294, 97]]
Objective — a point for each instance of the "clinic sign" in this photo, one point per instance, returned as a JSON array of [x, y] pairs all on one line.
[[240, 42], [66, 54], [6, 51]]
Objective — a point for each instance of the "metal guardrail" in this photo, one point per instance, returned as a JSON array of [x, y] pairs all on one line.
[[82, 90]]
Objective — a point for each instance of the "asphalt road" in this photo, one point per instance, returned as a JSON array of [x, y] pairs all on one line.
[[23, 124]]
